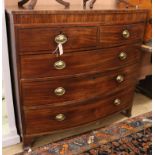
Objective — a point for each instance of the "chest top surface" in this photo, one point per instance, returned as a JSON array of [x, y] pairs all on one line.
[[76, 14]]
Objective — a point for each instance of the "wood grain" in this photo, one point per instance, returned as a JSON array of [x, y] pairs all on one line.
[[41, 92], [75, 114], [112, 35], [94, 61], [78, 37], [86, 37], [80, 16]]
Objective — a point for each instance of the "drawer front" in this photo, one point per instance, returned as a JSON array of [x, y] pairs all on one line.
[[63, 117], [47, 65], [40, 40], [120, 35], [60, 90]]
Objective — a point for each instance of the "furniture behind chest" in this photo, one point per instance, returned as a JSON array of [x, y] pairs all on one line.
[[95, 77]]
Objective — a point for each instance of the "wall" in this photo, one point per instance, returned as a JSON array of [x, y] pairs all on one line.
[[11, 137], [73, 2]]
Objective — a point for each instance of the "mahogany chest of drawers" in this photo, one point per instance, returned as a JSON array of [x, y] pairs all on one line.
[[94, 77]]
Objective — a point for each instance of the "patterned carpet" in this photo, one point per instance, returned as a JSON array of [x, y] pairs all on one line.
[[135, 144], [130, 137]]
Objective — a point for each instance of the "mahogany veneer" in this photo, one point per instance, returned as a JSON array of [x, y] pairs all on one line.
[[107, 59], [97, 73], [76, 114], [41, 92]]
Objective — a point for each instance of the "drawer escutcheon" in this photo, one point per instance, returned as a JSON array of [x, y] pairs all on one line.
[[122, 56], [59, 65], [59, 91], [60, 117], [126, 34], [120, 78], [117, 102], [61, 39]]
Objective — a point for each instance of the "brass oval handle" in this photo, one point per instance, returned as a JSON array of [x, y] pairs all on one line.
[[60, 117], [126, 34], [122, 56], [59, 64], [59, 91], [117, 102], [61, 39], [120, 78]]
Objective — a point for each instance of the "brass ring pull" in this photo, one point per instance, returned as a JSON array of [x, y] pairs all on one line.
[[120, 78], [59, 91], [122, 56], [60, 117], [60, 39], [126, 34], [117, 102], [59, 65]]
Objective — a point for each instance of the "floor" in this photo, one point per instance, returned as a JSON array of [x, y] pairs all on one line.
[[141, 105]]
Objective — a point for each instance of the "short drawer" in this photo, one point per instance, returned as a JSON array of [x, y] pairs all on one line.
[[48, 65], [61, 90], [64, 117], [121, 34], [40, 40]]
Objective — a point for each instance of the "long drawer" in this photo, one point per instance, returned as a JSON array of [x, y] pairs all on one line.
[[63, 117], [59, 90], [47, 65]]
